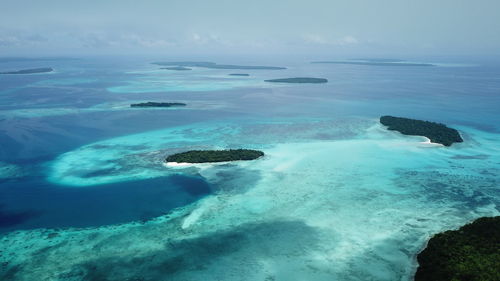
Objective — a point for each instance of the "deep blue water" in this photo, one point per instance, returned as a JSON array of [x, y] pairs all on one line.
[[33, 202]]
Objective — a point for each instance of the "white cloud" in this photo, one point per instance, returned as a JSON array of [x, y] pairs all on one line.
[[7, 40], [316, 39], [348, 40]]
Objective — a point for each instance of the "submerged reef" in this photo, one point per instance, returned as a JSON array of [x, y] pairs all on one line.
[[176, 68], [436, 132], [150, 252], [290, 214], [213, 65], [239, 74], [298, 80], [30, 71], [471, 253], [206, 156], [157, 104], [10, 171]]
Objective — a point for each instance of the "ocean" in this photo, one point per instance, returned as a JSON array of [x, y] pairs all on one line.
[[85, 194]]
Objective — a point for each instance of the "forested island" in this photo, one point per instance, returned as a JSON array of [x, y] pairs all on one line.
[[239, 74], [298, 80], [206, 156], [157, 104], [471, 253], [436, 132], [375, 62], [178, 68], [30, 71], [214, 65]]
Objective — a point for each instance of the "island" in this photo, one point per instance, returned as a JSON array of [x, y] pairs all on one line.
[[436, 132], [239, 74], [214, 65], [208, 156], [300, 80], [471, 253], [157, 104], [30, 71], [376, 62], [178, 68]]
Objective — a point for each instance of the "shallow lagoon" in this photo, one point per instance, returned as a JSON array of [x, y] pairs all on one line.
[[336, 196]]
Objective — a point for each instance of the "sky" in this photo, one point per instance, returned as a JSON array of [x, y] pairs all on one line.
[[251, 27]]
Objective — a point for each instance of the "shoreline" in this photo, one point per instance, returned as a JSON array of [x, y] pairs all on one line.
[[187, 164], [427, 141], [177, 164]]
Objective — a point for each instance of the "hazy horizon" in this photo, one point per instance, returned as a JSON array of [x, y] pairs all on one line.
[[192, 28]]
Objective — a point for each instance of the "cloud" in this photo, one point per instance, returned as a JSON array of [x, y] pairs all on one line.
[[8, 40], [315, 39], [347, 40], [146, 42], [207, 39]]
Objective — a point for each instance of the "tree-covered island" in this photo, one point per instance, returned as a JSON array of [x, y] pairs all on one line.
[[436, 132], [178, 68], [213, 65], [298, 80], [30, 71], [239, 74], [157, 104], [376, 62], [207, 156], [471, 253]]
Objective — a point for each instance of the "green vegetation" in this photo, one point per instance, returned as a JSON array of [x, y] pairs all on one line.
[[298, 80], [471, 253], [179, 68], [205, 156], [436, 132], [239, 74], [30, 71], [213, 65], [157, 104]]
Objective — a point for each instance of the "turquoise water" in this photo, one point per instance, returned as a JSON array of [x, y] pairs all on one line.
[[85, 194]]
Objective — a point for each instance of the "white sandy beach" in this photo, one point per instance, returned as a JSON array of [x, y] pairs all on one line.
[[427, 142]]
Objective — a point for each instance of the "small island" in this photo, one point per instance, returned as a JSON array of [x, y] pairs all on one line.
[[30, 71], [239, 74], [376, 62], [471, 253], [436, 132], [208, 156], [298, 80], [214, 65], [178, 68], [157, 104]]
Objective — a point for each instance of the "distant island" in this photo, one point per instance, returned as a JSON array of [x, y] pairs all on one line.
[[26, 59], [30, 71], [213, 65], [239, 74], [471, 253], [298, 80], [157, 104], [206, 156], [179, 68], [436, 132], [376, 62]]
